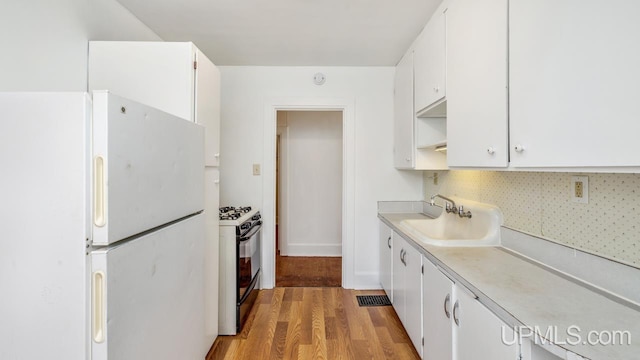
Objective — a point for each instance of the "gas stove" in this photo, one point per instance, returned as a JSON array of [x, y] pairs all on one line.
[[236, 216], [233, 213], [240, 259]]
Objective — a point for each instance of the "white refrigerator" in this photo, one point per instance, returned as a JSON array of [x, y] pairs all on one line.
[[102, 236]]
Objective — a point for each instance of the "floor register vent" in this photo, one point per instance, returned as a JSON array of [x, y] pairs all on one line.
[[373, 300]]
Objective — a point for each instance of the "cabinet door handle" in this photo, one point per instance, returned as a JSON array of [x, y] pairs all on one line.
[[447, 300], [389, 242], [519, 148], [491, 150], [455, 313], [401, 251]]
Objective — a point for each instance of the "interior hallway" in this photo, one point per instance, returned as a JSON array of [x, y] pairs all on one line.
[[296, 271]]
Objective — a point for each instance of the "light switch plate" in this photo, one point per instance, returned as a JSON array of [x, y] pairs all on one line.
[[580, 189], [256, 169]]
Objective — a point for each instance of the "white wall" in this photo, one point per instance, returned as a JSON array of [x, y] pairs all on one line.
[[246, 92], [44, 43], [314, 188]]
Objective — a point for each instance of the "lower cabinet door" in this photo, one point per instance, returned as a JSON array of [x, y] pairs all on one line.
[[413, 287], [478, 332], [397, 280], [437, 290], [386, 258]]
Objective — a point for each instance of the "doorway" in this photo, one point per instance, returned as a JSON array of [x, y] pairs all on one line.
[[309, 163], [268, 210]]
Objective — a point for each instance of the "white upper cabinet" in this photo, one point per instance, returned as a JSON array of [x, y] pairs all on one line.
[[207, 106], [174, 77], [574, 79], [403, 143], [414, 139], [477, 93], [430, 62]]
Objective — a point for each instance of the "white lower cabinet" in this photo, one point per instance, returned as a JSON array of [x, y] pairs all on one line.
[[407, 288], [437, 292], [478, 333], [386, 259], [545, 351], [457, 326]]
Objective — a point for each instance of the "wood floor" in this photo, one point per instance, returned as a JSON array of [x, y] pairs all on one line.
[[316, 323], [308, 271]]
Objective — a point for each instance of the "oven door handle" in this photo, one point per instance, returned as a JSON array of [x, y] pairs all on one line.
[[251, 232]]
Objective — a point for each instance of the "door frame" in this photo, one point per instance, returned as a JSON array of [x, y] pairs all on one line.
[[347, 107]]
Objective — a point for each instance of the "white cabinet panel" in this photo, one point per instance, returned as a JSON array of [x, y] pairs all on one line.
[[403, 140], [438, 301], [175, 77], [413, 296], [574, 83], [211, 253], [407, 288], [155, 73], [207, 106], [478, 332], [386, 259], [430, 62], [147, 296], [477, 94], [144, 175], [398, 278]]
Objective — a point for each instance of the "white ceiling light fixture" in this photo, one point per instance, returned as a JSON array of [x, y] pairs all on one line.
[[319, 78]]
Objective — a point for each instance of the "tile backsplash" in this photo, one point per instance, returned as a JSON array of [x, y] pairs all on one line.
[[539, 203]]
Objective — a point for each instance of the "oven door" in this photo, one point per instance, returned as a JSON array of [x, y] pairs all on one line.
[[248, 259]]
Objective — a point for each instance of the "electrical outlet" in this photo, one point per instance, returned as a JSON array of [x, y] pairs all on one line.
[[256, 169], [580, 189], [435, 178]]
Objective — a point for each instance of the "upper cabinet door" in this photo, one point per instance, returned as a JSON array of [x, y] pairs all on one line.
[[148, 168], [430, 62], [477, 94], [207, 106], [155, 73], [574, 79], [403, 141]]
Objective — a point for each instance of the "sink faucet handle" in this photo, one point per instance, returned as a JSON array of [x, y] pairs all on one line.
[[463, 214]]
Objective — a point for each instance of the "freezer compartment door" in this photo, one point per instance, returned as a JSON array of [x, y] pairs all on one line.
[[147, 296], [147, 168]]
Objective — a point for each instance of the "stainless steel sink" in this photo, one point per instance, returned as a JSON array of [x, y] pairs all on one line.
[[448, 229]]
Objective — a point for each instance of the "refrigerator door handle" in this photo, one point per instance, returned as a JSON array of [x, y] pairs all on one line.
[[97, 307], [98, 192]]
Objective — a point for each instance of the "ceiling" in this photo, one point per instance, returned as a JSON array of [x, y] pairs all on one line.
[[290, 32]]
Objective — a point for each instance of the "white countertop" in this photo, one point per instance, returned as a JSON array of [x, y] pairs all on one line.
[[524, 293]]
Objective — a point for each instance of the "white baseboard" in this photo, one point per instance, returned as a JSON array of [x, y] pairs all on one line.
[[314, 250]]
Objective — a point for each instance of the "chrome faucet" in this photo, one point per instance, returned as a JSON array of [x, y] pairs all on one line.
[[449, 206]]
